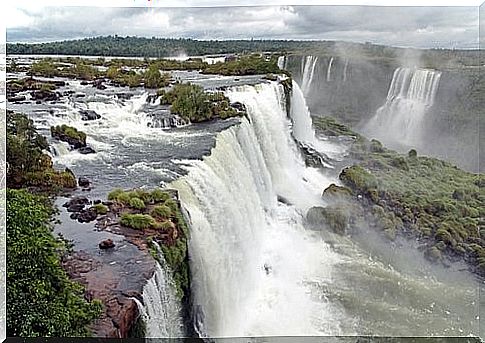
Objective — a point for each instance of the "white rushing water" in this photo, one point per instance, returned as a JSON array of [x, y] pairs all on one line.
[[309, 65], [345, 70], [281, 62], [161, 310], [411, 93], [252, 262], [329, 69]]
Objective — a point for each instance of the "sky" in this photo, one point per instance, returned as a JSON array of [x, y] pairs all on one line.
[[421, 27]]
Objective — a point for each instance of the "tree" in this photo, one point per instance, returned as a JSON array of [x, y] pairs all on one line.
[[42, 301]]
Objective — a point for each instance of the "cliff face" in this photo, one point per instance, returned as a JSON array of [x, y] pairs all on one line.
[[352, 89]]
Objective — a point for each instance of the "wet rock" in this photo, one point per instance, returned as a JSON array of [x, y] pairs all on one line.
[[334, 191], [86, 150], [151, 98], [124, 96], [79, 95], [89, 115], [16, 98], [76, 204], [99, 84], [84, 83], [332, 218], [86, 216], [44, 95], [83, 182], [107, 244]]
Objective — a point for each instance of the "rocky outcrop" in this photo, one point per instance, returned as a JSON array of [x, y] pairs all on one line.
[[89, 115]]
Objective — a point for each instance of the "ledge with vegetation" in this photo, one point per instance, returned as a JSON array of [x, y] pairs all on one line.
[[432, 201]]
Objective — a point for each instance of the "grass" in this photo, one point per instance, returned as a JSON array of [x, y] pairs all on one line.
[[100, 208], [161, 211], [137, 203]]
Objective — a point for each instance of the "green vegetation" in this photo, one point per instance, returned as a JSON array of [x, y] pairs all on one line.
[[245, 65], [161, 211], [69, 134], [100, 208], [28, 166], [194, 104], [153, 78], [137, 221], [432, 200], [137, 203], [42, 301]]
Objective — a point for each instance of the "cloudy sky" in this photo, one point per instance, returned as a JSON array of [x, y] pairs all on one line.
[[447, 27]]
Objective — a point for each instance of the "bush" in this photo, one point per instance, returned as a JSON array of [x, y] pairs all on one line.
[[100, 208], [164, 225], [158, 195], [172, 204], [137, 203], [161, 211], [42, 301], [113, 195], [137, 221]]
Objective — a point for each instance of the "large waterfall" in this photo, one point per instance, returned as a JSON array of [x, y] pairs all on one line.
[[308, 66], [253, 264], [400, 119]]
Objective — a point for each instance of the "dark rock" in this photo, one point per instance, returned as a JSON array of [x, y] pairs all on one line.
[[44, 95], [151, 98], [107, 244], [334, 191], [76, 142], [86, 150], [79, 95], [89, 115], [86, 216], [97, 201], [83, 182], [99, 84], [38, 102], [312, 157], [76, 204], [124, 96], [16, 98], [84, 83], [239, 106]]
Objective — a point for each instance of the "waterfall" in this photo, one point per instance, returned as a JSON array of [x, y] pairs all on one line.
[[411, 93], [345, 70], [329, 69], [302, 122], [308, 71], [282, 62], [161, 310], [253, 264]]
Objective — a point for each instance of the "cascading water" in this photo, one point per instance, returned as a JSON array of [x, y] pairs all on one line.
[[411, 93], [308, 72], [329, 69], [161, 311], [344, 78], [253, 264], [281, 62]]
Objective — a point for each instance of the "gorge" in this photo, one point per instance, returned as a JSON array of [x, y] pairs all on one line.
[[245, 184]]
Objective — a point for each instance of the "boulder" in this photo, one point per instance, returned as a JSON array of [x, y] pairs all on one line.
[[89, 115], [16, 98], [334, 191], [86, 216], [332, 218], [83, 182], [76, 204], [107, 244], [86, 150], [84, 83], [44, 95], [99, 84]]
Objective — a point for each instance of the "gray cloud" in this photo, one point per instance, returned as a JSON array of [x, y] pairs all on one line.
[[448, 27]]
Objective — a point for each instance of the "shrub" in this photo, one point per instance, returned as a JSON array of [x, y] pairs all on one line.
[[172, 204], [137, 203], [412, 153], [113, 195], [137, 221], [123, 198], [158, 195], [161, 211], [100, 208], [164, 225]]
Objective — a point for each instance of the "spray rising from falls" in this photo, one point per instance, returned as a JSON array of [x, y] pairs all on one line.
[[400, 119], [309, 65], [253, 264]]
